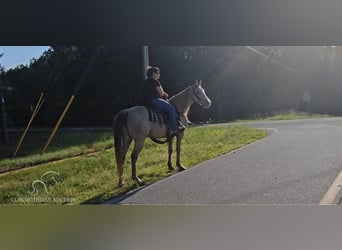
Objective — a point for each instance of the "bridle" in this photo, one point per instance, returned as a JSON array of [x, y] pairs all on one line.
[[195, 94]]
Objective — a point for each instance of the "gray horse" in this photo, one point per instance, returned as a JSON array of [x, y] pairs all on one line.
[[134, 124]]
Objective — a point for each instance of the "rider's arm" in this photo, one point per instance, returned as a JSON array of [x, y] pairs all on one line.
[[161, 92]]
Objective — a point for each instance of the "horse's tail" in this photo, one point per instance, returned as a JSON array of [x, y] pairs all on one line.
[[119, 127]]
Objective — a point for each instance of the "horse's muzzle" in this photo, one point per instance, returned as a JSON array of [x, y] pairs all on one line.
[[207, 105]]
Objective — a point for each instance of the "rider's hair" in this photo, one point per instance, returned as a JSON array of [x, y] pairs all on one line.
[[151, 70]]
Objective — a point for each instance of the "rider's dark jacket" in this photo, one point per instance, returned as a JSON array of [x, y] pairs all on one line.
[[149, 91]]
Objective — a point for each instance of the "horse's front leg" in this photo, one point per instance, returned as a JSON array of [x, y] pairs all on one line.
[[138, 145], [170, 149], [178, 150]]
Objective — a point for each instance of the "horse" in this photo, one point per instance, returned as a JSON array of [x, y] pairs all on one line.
[[134, 124]]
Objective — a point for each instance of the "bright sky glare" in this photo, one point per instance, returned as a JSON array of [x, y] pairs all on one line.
[[19, 55]]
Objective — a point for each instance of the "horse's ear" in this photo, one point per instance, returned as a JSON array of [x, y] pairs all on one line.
[[200, 82], [196, 82]]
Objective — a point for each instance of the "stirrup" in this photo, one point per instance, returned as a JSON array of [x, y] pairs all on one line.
[[176, 132]]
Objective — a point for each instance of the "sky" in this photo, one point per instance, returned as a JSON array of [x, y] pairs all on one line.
[[17, 55]]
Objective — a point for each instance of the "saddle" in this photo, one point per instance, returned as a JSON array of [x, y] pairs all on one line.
[[156, 115]]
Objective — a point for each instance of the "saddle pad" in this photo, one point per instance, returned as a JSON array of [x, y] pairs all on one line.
[[156, 115]]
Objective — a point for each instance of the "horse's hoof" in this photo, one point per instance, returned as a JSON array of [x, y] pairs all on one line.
[[139, 181], [171, 169], [181, 168]]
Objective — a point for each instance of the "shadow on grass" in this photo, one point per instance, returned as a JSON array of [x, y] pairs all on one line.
[[134, 189], [64, 138]]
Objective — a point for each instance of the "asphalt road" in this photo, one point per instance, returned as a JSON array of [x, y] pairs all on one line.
[[296, 164]]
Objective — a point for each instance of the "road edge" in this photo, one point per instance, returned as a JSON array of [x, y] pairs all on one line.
[[330, 196]]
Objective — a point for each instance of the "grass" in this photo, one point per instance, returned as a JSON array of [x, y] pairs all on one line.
[[284, 115], [91, 178], [65, 144]]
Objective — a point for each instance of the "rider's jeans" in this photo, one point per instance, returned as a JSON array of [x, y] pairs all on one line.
[[169, 109]]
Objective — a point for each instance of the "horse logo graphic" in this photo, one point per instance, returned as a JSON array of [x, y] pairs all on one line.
[[47, 176]]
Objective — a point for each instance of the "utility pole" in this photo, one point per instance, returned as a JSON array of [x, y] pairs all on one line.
[[3, 115], [145, 60]]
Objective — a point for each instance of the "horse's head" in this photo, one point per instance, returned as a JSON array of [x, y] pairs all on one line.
[[199, 96]]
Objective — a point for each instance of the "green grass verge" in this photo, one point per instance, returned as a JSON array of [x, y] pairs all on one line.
[[65, 144], [284, 115], [91, 178]]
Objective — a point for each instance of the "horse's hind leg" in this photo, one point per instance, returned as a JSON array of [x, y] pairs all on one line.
[[125, 145], [138, 145]]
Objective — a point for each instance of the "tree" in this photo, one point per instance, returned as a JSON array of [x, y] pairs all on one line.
[[3, 115], [240, 82]]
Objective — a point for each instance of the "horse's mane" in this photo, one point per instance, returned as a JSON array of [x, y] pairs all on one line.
[[182, 106]]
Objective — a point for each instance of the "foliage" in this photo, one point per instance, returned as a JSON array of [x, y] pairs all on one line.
[[241, 81], [107, 88], [284, 115]]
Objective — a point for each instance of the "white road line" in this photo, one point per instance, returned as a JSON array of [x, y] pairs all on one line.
[[330, 195]]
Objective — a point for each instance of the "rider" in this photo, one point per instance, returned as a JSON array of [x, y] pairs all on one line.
[[154, 94]]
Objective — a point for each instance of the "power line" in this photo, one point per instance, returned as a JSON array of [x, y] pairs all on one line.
[[273, 60]]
